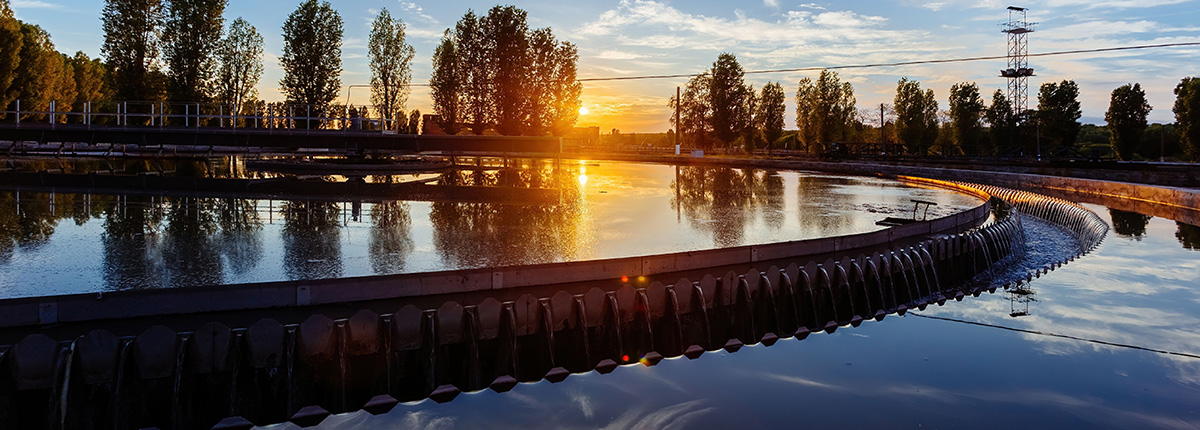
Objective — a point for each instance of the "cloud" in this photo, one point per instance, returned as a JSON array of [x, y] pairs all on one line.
[[35, 4], [934, 6], [417, 11], [613, 54], [771, 3]]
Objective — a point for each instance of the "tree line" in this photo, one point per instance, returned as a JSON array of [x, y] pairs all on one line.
[[718, 109], [490, 72]]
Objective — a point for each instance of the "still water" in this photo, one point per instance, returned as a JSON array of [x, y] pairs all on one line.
[[71, 242], [1138, 289]]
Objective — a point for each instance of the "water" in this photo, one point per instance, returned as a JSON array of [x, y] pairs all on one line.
[[64, 242], [1137, 289]]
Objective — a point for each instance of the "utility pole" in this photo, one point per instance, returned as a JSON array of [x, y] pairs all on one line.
[[1162, 145], [678, 129], [882, 136]]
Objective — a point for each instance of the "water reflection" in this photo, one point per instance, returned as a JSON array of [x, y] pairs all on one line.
[[531, 211], [500, 234], [131, 227], [1130, 224], [391, 237], [1188, 235], [312, 240], [720, 201]]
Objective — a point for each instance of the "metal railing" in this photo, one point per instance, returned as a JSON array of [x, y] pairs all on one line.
[[202, 115]]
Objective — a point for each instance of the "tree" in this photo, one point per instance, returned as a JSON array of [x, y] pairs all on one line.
[[505, 76], [695, 114], [1187, 115], [727, 98], [191, 35], [825, 110], [446, 84], [414, 122], [916, 116], [1059, 112], [506, 30], [565, 90], [10, 51], [90, 78], [1003, 125], [966, 114], [391, 67], [131, 43], [472, 48], [1126, 117], [312, 57], [769, 115], [240, 66], [42, 74]]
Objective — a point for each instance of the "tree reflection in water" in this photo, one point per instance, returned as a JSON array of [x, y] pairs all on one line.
[[722, 201], [513, 233], [312, 246], [240, 241], [1188, 235], [131, 227], [1129, 224], [391, 237]]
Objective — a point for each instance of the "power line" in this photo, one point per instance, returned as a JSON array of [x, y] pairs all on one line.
[[895, 64], [902, 63], [1064, 336]]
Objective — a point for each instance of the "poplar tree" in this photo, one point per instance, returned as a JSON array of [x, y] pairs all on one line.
[[191, 35], [506, 30], [825, 110], [770, 112], [446, 84], [966, 115], [475, 72], [390, 58], [239, 67], [131, 42], [727, 96], [916, 116], [312, 58], [1126, 117], [565, 90]]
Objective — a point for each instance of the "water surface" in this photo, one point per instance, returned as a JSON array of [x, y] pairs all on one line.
[[531, 212]]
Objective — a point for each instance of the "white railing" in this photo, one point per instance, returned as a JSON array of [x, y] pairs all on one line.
[[201, 115]]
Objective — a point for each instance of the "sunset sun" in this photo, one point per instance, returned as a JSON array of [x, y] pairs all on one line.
[[583, 110]]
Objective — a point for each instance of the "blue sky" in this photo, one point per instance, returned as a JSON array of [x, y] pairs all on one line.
[[638, 37]]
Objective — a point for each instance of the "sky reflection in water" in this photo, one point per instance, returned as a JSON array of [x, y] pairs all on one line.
[[910, 372]]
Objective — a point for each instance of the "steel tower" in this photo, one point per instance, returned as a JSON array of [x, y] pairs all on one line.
[[1018, 72]]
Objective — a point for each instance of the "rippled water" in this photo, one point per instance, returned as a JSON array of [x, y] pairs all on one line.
[[1138, 289], [537, 212]]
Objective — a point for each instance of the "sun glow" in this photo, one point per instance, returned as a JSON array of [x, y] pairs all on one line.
[[583, 110]]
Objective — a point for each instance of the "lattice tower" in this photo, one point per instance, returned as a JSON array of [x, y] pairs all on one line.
[[1018, 72]]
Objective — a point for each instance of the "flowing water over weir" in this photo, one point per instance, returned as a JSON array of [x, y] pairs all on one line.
[[272, 371]]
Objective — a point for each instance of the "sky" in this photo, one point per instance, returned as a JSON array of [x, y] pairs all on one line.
[[645, 37]]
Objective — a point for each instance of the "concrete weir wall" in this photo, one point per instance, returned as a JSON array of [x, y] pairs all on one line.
[[304, 371]]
